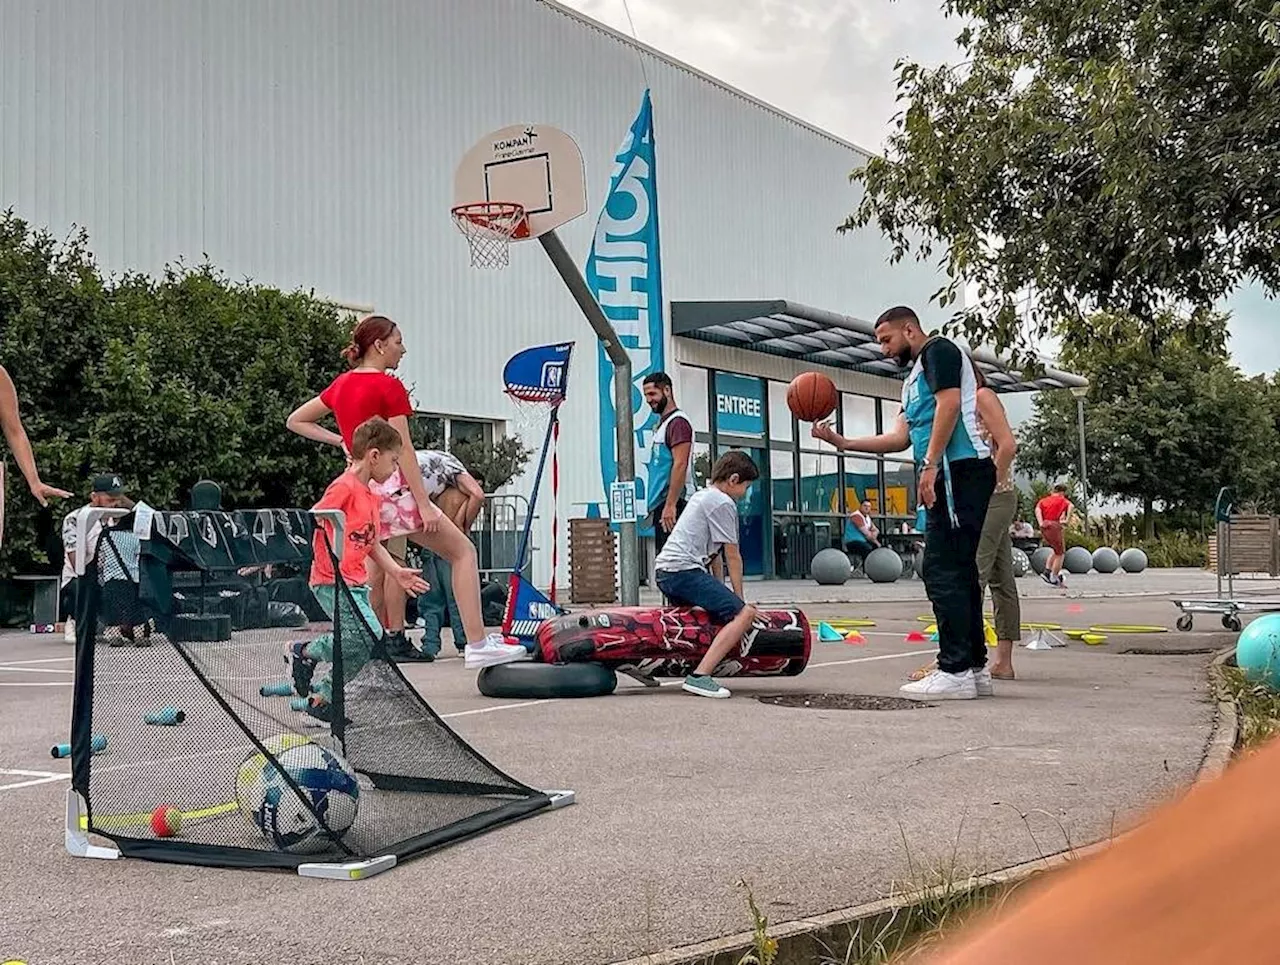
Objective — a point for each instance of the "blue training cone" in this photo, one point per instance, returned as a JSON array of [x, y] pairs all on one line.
[[829, 634]]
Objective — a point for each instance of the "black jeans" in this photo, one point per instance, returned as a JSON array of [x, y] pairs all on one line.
[[951, 563]]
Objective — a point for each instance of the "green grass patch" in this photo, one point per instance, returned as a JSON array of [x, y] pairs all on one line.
[[945, 896], [1257, 704]]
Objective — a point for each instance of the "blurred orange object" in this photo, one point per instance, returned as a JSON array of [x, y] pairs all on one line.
[[1199, 882]]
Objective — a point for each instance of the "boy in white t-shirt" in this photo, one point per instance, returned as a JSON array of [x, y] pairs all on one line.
[[710, 522]]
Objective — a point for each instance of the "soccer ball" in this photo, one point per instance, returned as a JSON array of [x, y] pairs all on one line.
[[324, 778]]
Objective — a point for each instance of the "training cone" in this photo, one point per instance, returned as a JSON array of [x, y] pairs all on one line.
[[933, 637], [1037, 643], [1093, 639], [829, 634], [990, 634], [855, 638], [915, 636]]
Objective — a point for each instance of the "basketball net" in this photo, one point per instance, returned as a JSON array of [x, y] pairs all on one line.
[[489, 227]]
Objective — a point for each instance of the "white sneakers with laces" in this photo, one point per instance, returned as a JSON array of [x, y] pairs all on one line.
[[941, 685], [492, 651]]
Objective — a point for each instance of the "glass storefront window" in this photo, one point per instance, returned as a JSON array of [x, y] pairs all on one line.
[[691, 397], [890, 411], [859, 413], [861, 481], [900, 487], [779, 414], [819, 483], [784, 482], [701, 463]]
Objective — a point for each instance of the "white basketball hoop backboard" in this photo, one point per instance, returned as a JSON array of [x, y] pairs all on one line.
[[532, 165]]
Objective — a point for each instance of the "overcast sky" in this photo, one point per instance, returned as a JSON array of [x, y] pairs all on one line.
[[830, 62]]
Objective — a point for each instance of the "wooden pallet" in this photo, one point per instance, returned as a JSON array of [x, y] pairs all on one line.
[[1255, 545], [593, 561]]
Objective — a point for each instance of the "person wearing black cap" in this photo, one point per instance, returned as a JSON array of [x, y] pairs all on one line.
[[108, 492]]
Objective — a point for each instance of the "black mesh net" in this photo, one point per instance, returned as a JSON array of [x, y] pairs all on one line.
[[194, 739]]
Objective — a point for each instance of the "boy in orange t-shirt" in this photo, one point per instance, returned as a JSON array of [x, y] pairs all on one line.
[[375, 454]]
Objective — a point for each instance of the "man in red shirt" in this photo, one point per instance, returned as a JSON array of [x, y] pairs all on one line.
[[1052, 513]]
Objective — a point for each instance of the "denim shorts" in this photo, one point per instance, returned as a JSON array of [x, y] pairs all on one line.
[[700, 588]]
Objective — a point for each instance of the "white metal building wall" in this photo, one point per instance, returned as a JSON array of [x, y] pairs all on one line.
[[311, 143]]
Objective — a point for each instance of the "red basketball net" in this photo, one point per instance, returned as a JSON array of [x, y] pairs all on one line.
[[489, 227]]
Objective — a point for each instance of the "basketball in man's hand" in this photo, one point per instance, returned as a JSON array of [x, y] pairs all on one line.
[[812, 396]]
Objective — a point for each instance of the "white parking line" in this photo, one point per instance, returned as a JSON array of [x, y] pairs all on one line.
[[38, 777], [13, 668], [45, 777], [51, 683], [41, 660]]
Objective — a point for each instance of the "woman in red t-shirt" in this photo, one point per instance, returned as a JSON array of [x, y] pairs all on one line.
[[369, 390]]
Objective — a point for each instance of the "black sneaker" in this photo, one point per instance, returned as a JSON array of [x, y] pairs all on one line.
[[400, 650], [302, 666]]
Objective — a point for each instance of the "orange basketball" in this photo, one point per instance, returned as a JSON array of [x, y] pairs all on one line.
[[811, 396]]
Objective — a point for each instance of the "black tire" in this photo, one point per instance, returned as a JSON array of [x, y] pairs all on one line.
[[1232, 623], [1184, 622], [536, 681]]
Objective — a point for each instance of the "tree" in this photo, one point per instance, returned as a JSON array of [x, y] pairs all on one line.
[[1096, 155], [1170, 425], [164, 381], [492, 464]]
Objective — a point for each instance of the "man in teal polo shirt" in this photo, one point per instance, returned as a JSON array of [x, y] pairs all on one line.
[[939, 422]]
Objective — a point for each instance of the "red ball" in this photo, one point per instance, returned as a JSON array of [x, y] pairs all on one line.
[[166, 821], [812, 396]]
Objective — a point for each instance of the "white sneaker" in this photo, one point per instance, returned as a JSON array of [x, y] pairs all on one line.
[[941, 685], [492, 651], [982, 683]]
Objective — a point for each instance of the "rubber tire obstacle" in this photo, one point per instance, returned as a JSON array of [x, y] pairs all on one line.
[[539, 681]]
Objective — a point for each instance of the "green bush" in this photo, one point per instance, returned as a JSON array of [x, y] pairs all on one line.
[[165, 381], [1175, 549]]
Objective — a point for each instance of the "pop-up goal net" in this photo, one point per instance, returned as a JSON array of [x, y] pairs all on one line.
[[191, 737]]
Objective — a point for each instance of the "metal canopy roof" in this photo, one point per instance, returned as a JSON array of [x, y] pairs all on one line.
[[795, 331]]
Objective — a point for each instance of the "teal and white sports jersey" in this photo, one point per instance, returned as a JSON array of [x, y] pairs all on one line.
[[672, 431], [941, 365]]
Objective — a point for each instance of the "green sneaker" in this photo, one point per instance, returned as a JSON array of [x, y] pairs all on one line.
[[703, 686]]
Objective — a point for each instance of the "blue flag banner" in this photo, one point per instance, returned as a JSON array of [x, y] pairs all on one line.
[[624, 273]]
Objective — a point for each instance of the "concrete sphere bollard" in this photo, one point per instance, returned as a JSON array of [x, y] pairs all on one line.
[[830, 567], [883, 565], [1021, 562], [1106, 560], [1078, 561], [1040, 559], [1133, 560]]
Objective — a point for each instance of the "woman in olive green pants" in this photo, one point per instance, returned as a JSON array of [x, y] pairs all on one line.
[[995, 548]]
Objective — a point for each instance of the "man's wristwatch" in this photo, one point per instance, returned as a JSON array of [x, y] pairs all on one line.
[[926, 463]]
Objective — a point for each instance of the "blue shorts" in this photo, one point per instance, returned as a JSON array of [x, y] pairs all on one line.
[[700, 588]]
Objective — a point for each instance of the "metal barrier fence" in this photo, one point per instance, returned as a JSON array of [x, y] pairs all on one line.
[[496, 535]]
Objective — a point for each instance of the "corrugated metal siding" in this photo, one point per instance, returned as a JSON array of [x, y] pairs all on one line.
[[311, 143]]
